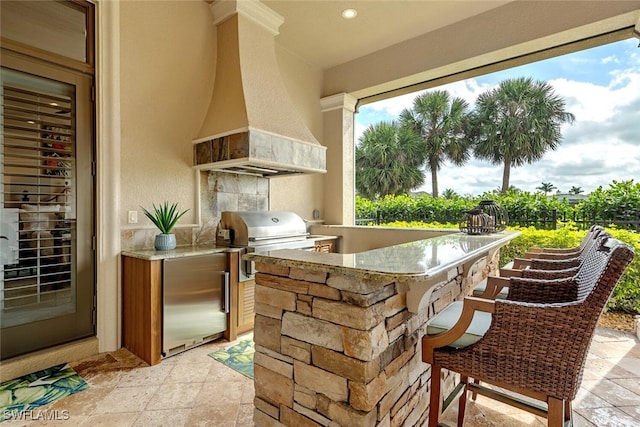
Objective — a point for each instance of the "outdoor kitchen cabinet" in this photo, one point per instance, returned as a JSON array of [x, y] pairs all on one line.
[[142, 305], [142, 308], [242, 308]]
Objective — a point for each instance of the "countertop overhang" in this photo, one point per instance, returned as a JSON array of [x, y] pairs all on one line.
[[179, 252], [421, 264]]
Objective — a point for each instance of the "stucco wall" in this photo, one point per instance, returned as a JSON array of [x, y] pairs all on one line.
[[303, 193], [168, 65], [167, 55]]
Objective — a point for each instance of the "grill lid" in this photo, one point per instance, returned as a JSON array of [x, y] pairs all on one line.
[[244, 228]]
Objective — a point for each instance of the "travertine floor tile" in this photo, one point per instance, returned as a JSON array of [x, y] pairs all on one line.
[[220, 415], [174, 396], [630, 364], [111, 420], [608, 417], [212, 391], [586, 399], [631, 384], [245, 416], [169, 417], [193, 389], [194, 372], [147, 375], [580, 421], [613, 393], [634, 411], [83, 403], [126, 399], [606, 369]]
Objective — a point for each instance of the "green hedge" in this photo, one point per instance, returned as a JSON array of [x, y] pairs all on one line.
[[620, 202], [426, 208], [625, 298]]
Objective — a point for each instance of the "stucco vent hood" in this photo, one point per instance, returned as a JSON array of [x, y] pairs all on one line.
[[252, 126]]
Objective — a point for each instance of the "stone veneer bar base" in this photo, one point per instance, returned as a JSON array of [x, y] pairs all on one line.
[[341, 350]]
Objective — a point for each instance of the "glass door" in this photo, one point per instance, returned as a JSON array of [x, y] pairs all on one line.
[[46, 158]]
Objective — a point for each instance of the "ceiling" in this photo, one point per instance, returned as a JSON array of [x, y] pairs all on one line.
[[316, 31]]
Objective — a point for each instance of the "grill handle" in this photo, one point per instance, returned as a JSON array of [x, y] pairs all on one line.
[[257, 239]]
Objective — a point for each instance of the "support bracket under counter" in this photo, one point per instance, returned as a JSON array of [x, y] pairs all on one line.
[[419, 291]]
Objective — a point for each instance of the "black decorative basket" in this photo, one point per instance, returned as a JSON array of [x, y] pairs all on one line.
[[497, 213], [476, 221]]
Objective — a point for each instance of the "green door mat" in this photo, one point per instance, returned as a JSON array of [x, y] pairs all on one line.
[[28, 392], [238, 357]]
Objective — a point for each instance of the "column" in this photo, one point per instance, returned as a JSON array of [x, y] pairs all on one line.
[[338, 136]]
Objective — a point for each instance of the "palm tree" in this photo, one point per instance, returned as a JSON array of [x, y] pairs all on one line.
[[517, 123], [449, 193], [576, 190], [440, 122], [388, 160], [546, 187]]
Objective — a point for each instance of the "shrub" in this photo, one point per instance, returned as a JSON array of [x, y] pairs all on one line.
[[566, 236], [621, 200], [528, 207], [626, 297], [420, 224]]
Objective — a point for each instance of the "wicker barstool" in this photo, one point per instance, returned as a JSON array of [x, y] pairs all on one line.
[[558, 253], [537, 350], [547, 267], [532, 257]]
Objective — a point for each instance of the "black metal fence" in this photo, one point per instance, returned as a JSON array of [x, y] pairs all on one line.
[[546, 220]]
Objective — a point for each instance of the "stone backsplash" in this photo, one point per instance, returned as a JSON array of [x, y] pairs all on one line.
[[219, 191]]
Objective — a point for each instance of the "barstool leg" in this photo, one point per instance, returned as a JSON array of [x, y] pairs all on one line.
[[434, 398], [462, 402], [568, 411], [555, 414]]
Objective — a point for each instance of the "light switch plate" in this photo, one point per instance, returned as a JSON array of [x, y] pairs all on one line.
[[132, 217]]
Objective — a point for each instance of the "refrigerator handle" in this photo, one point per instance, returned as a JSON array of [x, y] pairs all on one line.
[[227, 293]]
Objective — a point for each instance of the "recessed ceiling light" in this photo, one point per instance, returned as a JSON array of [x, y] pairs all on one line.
[[349, 13]]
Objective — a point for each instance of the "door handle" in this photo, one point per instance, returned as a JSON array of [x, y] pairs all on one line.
[[227, 293]]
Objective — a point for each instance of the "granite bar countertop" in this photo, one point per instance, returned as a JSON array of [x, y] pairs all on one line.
[[179, 252], [412, 260], [204, 249]]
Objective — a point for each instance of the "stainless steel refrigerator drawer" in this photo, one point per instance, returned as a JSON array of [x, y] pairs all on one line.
[[195, 290]]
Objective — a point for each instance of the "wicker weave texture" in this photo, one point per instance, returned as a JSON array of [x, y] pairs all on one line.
[[542, 347]]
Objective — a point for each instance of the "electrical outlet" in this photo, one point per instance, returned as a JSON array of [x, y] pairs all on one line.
[[133, 217]]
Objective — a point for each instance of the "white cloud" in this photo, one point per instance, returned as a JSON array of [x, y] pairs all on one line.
[[587, 101], [393, 106]]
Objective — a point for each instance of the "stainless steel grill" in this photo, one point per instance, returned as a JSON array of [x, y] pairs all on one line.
[[262, 232]]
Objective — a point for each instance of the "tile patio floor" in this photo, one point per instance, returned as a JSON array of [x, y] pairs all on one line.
[[193, 389]]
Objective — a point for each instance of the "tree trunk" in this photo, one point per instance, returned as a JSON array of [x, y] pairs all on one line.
[[506, 175], [434, 182]]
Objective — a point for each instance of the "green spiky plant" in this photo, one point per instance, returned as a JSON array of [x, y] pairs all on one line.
[[164, 216]]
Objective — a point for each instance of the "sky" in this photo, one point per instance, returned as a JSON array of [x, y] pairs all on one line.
[[600, 86]]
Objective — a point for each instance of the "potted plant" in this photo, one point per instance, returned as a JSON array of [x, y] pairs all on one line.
[[165, 218]]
